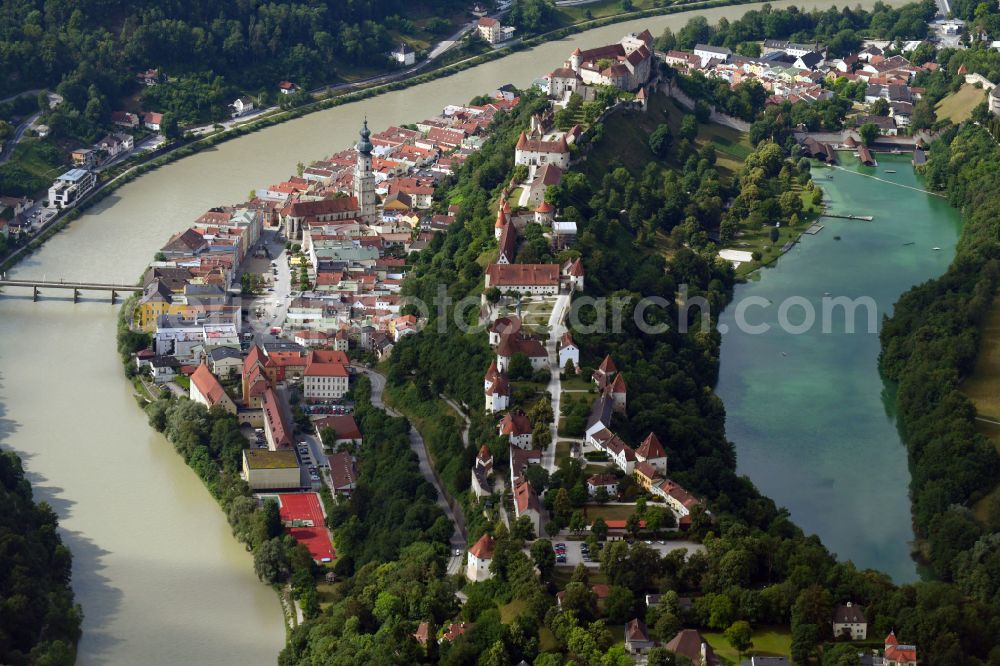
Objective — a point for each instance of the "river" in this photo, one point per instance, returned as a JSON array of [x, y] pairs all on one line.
[[160, 579], [809, 414]]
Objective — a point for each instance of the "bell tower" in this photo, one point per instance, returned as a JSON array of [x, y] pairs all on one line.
[[364, 178]]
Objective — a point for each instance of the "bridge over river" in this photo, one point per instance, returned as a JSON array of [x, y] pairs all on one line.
[[76, 287]]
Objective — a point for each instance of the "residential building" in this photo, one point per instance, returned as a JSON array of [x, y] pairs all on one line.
[[403, 55], [691, 644], [84, 157], [492, 31], [572, 271], [277, 430], [516, 343], [225, 361], [637, 640], [271, 470], [497, 389], [454, 630], [568, 351], [607, 481], [524, 278], [477, 567], [241, 106], [343, 475], [116, 144], [653, 453], [849, 621], [707, 53], [538, 152], [897, 654], [680, 502], [346, 428], [125, 119], [287, 88], [70, 187], [152, 120], [517, 428], [326, 377], [481, 472], [207, 390], [526, 504]]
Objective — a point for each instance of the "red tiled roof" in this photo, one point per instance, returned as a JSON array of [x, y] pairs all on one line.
[[651, 448], [342, 470], [344, 424], [208, 385], [523, 274], [515, 424], [483, 549]]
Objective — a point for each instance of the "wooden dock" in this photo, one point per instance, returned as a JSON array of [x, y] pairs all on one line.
[[864, 218], [814, 229]]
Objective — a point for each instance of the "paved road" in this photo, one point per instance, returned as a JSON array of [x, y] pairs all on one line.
[[19, 132], [417, 445], [462, 415], [556, 329]]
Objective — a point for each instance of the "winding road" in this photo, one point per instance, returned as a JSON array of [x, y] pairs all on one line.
[[458, 543]]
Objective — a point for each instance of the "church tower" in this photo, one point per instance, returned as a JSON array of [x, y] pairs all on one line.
[[364, 179]]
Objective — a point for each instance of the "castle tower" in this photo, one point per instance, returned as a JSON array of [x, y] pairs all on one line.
[[364, 179]]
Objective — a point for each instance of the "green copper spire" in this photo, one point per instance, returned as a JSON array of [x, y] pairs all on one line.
[[365, 146]]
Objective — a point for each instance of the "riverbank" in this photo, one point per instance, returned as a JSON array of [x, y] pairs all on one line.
[[364, 91]]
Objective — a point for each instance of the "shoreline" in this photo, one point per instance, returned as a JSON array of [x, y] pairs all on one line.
[[195, 146]]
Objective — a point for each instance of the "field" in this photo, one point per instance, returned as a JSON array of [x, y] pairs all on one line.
[[32, 167], [767, 641], [983, 388], [608, 511], [958, 106], [626, 140]]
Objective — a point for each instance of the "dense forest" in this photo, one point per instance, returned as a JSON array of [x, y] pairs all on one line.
[[39, 623], [928, 346]]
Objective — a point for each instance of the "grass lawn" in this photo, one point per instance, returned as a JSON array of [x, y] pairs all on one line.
[[562, 453], [325, 592], [578, 383], [983, 385], [547, 640], [562, 573], [183, 381], [603, 8], [509, 612], [33, 166], [767, 641], [627, 134], [608, 511], [958, 106]]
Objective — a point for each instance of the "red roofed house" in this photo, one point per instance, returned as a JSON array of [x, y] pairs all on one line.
[[310, 338], [276, 428], [652, 452], [344, 425], [536, 153], [422, 634], [481, 472], [605, 372], [287, 87], [496, 386], [343, 476], [526, 504], [524, 278], [254, 378], [678, 500], [899, 655], [607, 481], [207, 390], [325, 378], [517, 428], [637, 640], [454, 630], [691, 644], [568, 351], [516, 343], [477, 568], [574, 271]]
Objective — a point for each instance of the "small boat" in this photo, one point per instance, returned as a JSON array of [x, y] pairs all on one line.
[[910, 243], [889, 171], [935, 248]]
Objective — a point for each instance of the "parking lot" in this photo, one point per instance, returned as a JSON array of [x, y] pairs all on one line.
[[574, 554]]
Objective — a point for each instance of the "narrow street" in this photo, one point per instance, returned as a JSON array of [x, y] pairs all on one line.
[[458, 544], [556, 329]]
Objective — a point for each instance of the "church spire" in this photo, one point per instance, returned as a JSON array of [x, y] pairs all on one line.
[[365, 145]]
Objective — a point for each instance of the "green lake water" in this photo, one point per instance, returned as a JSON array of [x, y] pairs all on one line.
[[809, 414]]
